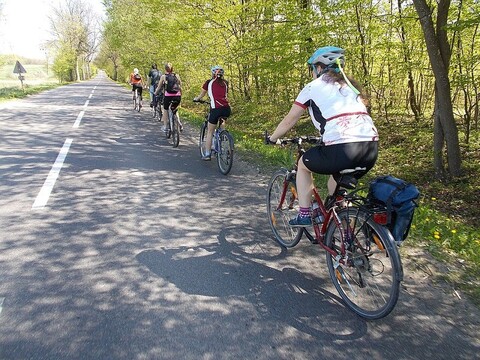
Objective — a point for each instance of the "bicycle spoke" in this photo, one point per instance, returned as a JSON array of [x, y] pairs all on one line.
[[280, 212], [225, 152], [368, 275]]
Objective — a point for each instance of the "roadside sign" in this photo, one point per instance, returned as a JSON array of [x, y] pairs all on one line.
[[19, 69]]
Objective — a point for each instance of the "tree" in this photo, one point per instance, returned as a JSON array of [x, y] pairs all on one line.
[[439, 53], [76, 30]]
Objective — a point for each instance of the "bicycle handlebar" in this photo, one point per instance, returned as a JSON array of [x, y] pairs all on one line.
[[201, 101], [295, 140]]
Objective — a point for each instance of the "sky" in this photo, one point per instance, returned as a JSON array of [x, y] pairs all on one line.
[[24, 25]]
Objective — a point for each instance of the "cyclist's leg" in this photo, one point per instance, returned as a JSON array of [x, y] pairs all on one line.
[[166, 104], [175, 106], [304, 191], [212, 124], [151, 89]]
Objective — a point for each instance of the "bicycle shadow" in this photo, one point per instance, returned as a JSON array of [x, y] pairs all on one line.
[[243, 267]]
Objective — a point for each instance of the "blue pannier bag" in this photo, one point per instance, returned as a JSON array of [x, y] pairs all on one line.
[[398, 197]]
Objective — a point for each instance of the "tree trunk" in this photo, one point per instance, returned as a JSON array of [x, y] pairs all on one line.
[[445, 128]]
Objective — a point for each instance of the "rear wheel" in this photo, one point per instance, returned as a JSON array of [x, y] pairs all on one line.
[[203, 139], [175, 129], [137, 97], [225, 152], [282, 205], [135, 100], [168, 130], [369, 281]]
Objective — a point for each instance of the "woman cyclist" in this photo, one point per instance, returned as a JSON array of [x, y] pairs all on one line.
[[338, 111], [137, 83], [171, 86], [217, 90]]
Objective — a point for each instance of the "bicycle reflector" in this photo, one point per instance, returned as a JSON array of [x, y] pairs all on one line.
[[380, 218]]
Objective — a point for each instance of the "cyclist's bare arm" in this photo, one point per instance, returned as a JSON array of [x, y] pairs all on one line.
[[288, 122], [202, 94], [159, 88]]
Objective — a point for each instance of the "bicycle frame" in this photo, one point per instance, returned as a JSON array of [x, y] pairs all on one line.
[[328, 215], [319, 229]]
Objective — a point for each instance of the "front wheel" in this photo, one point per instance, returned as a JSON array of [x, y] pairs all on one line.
[[282, 205], [225, 152], [368, 275]]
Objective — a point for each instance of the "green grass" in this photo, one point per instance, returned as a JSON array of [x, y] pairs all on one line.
[[36, 79], [446, 220]]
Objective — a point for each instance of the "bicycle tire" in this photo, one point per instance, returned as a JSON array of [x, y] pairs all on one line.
[[369, 283], [168, 130], [225, 152], [175, 127], [279, 216], [135, 104], [138, 107], [203, 139]]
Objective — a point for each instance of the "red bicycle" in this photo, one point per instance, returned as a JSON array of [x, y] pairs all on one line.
[[362, 258]]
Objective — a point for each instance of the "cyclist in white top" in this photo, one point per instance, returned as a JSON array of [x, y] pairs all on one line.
[[339, 112]]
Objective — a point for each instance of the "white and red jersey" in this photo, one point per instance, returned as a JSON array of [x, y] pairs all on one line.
[[217, 91], [337, 112]]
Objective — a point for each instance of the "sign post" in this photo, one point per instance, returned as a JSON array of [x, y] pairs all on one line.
[[19, 69]]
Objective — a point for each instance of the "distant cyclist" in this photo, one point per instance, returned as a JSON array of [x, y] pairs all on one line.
[[217, 90], [137, 83], [171, 85], [153, 79]]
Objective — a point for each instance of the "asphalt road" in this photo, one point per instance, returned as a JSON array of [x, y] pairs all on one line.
[[114, 245]]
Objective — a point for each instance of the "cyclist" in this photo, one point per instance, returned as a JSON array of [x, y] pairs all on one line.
[[217, 90], [171, 86], [153, 78], [137, 83], [338, 110]]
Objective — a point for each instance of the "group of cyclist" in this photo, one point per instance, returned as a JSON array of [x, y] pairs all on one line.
[[337, 107]]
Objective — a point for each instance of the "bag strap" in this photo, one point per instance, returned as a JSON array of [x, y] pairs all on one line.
[[392, 195]]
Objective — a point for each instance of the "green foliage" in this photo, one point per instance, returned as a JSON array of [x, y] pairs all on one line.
[[64, 65]]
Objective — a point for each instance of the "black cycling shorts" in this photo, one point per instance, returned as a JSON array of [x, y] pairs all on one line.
[[217, 113], [174, 100], [138, 87], [332, 159]]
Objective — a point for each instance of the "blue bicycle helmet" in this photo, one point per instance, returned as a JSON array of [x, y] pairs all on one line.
[[217, 71], [327, 55]]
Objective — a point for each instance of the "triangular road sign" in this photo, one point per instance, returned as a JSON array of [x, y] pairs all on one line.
[[19, 69]]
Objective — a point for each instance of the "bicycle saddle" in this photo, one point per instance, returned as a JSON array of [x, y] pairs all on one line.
[[348, 178]]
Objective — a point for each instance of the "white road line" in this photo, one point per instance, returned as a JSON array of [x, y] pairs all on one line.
[[90, 96], [44, 194], [86, 103], [79, 118]]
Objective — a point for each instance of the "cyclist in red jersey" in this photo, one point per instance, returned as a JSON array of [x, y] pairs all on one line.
[[217, 90]]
